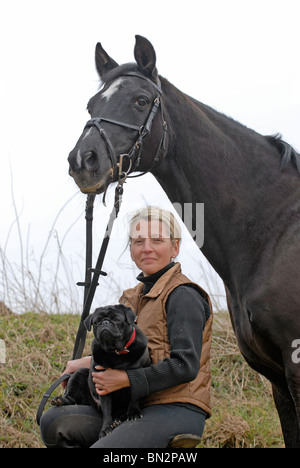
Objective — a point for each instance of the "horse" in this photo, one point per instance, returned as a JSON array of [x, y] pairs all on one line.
[[250, 187]]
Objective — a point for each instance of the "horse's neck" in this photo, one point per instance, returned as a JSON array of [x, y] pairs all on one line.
[[217, 161]]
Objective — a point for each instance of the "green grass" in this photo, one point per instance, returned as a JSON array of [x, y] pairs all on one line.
[[39, 346]]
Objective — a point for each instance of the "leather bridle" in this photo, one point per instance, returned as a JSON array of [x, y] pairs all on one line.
[[134, 154]]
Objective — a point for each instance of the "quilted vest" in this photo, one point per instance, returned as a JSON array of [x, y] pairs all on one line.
[[152, 320]]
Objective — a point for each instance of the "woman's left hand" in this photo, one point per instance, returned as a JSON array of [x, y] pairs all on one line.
[[109, 380]]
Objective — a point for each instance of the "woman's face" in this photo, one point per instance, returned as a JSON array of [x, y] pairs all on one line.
[[151, 247]]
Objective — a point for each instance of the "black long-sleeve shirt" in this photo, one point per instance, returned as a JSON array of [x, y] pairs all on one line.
[[187, 312]]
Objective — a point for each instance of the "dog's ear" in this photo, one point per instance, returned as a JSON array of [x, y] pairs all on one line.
[[88, 322], [90, 319], [129, 314]]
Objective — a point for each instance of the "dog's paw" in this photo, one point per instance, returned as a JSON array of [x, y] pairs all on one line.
[[132, 416], [116, 423], [106, 431], [62, 401], [58, 401], [110, 427]]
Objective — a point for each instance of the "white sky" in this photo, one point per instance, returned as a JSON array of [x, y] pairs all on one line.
[[240, 57]]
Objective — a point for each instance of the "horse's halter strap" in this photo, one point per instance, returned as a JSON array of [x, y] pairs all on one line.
[[143, 130]]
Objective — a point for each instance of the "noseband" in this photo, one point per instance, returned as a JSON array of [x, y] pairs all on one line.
[[134, 154]]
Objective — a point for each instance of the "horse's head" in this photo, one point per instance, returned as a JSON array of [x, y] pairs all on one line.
[[126, 131]]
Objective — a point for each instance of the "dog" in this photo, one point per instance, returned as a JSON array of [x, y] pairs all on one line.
[[118, 344]]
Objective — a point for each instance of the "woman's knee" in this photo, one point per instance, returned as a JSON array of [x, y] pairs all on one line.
[[72, 426]]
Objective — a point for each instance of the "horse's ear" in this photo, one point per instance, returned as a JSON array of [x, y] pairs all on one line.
[[145, 56], [104, 63]]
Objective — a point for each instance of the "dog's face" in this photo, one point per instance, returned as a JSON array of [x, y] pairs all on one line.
[[111, 326]]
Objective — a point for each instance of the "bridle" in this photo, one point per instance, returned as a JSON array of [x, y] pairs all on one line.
[[134, 154]]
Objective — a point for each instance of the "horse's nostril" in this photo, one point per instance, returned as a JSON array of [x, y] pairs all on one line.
[[90, 161]]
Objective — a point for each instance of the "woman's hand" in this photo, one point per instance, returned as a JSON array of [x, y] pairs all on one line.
[[109, 380], [74, 365]]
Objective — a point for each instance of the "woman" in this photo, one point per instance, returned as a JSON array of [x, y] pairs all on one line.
[[176, 316]]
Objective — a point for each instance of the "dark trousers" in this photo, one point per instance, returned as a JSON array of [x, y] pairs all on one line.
[[78, 426]]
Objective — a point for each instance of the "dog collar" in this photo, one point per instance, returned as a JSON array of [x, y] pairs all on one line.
[[125, 350]]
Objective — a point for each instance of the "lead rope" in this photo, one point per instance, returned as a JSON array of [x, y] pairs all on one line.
[[90, 284]]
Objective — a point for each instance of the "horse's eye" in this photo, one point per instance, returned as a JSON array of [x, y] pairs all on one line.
[[142, 101]]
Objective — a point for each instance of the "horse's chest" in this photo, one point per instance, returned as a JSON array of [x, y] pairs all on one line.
[[255, 342]]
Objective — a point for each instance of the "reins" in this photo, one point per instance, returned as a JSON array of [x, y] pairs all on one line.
[[91, 279], [91, 282], [92, 275]]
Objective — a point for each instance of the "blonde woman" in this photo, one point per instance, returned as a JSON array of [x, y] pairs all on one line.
[[176, 316]]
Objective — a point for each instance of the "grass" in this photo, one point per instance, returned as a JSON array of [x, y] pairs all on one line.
[[244, 414], [38, 345]]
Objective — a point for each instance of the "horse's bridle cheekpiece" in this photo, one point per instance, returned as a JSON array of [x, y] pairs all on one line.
[[134, 154]]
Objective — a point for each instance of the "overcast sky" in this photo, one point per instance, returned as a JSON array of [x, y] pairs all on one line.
[[238, 56]]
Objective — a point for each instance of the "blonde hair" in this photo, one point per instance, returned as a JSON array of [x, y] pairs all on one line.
[[151, 213]]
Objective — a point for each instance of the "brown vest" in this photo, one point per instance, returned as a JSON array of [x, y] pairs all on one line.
[[151, 318]]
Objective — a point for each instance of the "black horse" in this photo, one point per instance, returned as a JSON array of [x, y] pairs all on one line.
[[249, 183]]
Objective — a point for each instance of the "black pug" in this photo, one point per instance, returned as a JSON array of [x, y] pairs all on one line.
[[118, 344]]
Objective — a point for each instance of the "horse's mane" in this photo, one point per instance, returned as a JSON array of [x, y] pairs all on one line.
[[287, 152]]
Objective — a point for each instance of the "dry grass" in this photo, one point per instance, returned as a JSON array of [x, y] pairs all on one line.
[[37, 349], [244, 415], [39, 345]]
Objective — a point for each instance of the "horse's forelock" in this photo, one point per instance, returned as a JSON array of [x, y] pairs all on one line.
[[118, 71]]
